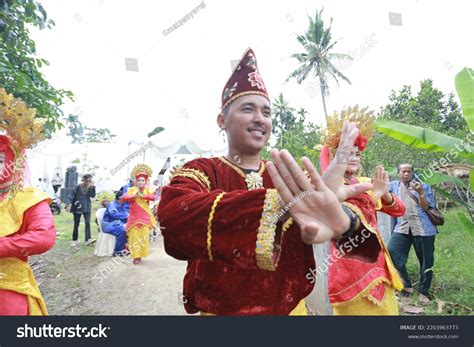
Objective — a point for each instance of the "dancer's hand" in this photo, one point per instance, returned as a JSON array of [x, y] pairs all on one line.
[[311, 203], [380, 182]]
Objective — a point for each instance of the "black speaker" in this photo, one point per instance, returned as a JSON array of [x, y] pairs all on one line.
[[71, 177], [64, 194]]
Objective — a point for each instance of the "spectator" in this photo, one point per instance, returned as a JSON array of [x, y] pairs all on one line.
[[79, 203]]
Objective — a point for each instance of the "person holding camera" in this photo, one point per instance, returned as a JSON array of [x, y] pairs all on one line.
[[414, 228], [79, 204]]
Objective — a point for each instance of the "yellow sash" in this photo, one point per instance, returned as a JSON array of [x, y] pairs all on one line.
[[16, 275], [13, 209], [144, 204]]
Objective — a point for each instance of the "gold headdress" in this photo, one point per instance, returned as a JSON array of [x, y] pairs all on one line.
[[363, 119], [142, 170], [23, 129]]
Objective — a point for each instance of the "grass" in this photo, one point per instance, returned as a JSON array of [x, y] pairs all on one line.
[[453, 279]]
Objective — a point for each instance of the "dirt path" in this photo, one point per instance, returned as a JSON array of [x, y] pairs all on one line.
[[76, 282]]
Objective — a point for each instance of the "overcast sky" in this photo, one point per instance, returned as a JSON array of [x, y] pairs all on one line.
[[181, 75]]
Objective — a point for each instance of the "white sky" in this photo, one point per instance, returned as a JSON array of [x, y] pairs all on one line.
[[184, 72]]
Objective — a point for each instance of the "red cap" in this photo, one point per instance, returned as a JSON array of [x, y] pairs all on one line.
[[245, 80]]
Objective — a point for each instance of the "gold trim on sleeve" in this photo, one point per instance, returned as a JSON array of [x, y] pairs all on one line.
[[267, 252], [194, 174], [209, 225]]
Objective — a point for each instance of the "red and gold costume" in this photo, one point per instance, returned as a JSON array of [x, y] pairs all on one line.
[[140, 220], [27, 225], [241, 261], [362, 278]]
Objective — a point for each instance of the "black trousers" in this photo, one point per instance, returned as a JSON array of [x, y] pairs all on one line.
[[399, 248], [77, 221]]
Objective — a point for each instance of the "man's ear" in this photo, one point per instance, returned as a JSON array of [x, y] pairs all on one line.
[[221, 120]]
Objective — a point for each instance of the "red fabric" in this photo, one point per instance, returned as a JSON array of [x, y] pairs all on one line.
[[362, 264], [232, 284], [324, 158], [6, 175], [36, 235], [141, 174], [137, 215], [245, 79], [361, 142], [396, 210]]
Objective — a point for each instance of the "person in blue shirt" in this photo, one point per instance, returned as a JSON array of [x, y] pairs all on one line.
[[413, 228], [114, 221]]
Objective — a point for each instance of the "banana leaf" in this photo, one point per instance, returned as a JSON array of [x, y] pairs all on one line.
[[433, 178], [425, 138], [465, 87]]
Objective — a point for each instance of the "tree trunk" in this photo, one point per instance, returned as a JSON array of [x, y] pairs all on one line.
[[323, 93]]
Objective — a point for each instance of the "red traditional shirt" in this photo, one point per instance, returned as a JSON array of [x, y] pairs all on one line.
[[241, 259], [36, 235]]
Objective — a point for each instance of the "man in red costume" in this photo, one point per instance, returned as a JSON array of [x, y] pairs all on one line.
[[27, 225], [239, 221]]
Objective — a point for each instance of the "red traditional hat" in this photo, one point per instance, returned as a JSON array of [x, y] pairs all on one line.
[[245, 80]]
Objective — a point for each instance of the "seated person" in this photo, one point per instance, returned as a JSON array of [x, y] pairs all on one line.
[[114, 221]]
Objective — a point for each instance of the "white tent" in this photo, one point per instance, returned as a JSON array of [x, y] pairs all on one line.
[[111, 163]]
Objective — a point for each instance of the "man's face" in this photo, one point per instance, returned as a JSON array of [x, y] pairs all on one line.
[[248, 124], [405, 173], [2, 163], [354, 160], [87, 181]]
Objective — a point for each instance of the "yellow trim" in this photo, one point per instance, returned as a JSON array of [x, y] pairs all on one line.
[[299, 310], [196, 175], [13, 208], [209, 225], [245, 176], [287, 224], [266, 248], [239, 95], [18, 277]]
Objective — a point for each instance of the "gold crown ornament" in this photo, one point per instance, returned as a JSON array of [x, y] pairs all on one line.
[[142, 169], [23, 130], [363, 118]]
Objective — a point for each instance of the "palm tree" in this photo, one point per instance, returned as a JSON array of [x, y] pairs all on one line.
[[317, 57], [283, 116]]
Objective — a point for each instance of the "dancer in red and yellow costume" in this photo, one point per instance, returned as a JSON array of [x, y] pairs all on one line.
[[362, 278], [140, 220], [26, 223]]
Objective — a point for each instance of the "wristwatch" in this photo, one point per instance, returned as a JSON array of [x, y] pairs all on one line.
[[353, 218]]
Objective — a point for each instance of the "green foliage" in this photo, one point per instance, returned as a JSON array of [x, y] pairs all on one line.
[[293, 132], [155, 131], [453, 280], [317, 56], [20, 65], [465, 87], [429, 107], [283, 117], [81, 134]]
